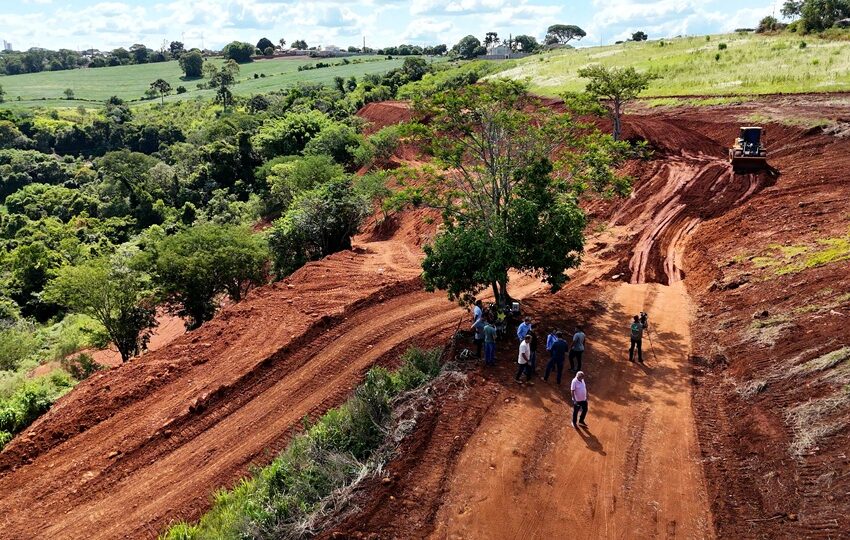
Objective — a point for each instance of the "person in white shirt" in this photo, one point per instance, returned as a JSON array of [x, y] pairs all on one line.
[[524, 359], [578, 389], [477, 310]]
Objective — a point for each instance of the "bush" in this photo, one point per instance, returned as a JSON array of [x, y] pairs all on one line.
[[181, 90], [29, 401], [196, 265], [717, 57], [17, 343], [722, 46], [81, 367], [802, 44], [385, 142], [319, 222], [268, 51]]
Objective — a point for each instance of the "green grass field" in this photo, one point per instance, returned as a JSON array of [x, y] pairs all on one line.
[[750, 64], [46, 89]]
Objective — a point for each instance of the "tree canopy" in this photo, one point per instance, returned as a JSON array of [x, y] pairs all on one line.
[[563, 34], [615, 87], [192, 63], [509, 174], [194, 266], [468, 47], [238, 51]]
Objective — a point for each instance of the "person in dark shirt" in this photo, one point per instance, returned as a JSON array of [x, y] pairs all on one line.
[[559, 352], [533, 346]]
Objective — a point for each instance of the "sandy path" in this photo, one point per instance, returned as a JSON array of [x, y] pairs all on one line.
[[526, 473]]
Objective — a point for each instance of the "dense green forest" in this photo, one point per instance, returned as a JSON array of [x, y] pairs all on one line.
[[108, 214]]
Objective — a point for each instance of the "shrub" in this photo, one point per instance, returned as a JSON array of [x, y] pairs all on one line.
[[721, 46], [196, 265], [717, 57], [17, 343], [181, 90], [29, 401], [802, 44], [385, 142], [319, 222], [81, 367]]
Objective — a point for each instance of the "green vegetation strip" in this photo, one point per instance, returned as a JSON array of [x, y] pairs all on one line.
[[341, 447], [721, 65]]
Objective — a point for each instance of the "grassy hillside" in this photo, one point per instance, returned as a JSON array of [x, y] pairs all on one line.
[[130, 82], [749, 64]]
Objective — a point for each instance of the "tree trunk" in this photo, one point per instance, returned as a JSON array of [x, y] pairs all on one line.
[[617, 113]]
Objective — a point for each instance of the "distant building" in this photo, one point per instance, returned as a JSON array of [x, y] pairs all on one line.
[[501, 51], [7, 46], [331, 49]]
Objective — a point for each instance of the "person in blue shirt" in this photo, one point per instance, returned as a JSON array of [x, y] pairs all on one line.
[[550, 340], [477, 310], [478, 339], [559, 353], [523, 328]]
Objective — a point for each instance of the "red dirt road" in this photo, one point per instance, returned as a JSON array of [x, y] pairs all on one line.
[[634, 473]]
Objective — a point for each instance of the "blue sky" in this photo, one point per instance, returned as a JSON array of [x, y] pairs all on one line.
[[78, 24]]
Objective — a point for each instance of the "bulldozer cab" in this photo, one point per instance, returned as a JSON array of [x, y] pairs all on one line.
[[748, 152], [751, 139]]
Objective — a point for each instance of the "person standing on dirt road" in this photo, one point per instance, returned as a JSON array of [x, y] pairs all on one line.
[[533, 346], [477, 310], [636, 339], [523, 328], [559, 353], [489, 344], [577, 349], [550, 340], [524, 358], [478, 338], [578, 390]]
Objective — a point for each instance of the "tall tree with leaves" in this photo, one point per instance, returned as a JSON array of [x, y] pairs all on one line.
[[193, 267], [221, 80], [563, 34], [506, 204], [161, 87], [112, 293], [614, 88]]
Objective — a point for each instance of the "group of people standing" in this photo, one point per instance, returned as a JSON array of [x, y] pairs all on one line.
[[485, 333]]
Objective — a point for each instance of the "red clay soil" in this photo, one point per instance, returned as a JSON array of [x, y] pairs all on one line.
[[145, 444], [514, 473]]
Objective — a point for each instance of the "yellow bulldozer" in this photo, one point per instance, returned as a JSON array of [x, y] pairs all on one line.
[[748, 152]]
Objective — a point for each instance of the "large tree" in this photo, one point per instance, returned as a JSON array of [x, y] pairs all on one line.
[[299, 44], [614, 87], [112, 293], [193, 267], [176, 49], [467, 48], [563, 34], [491, 38], [526, 43], [509, 171], [264, 44], [192, 64], [238, 51]]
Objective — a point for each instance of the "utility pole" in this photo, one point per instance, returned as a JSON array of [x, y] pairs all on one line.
[[364, 44]]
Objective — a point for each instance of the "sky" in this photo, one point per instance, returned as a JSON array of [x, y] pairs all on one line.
[[78, 24]]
